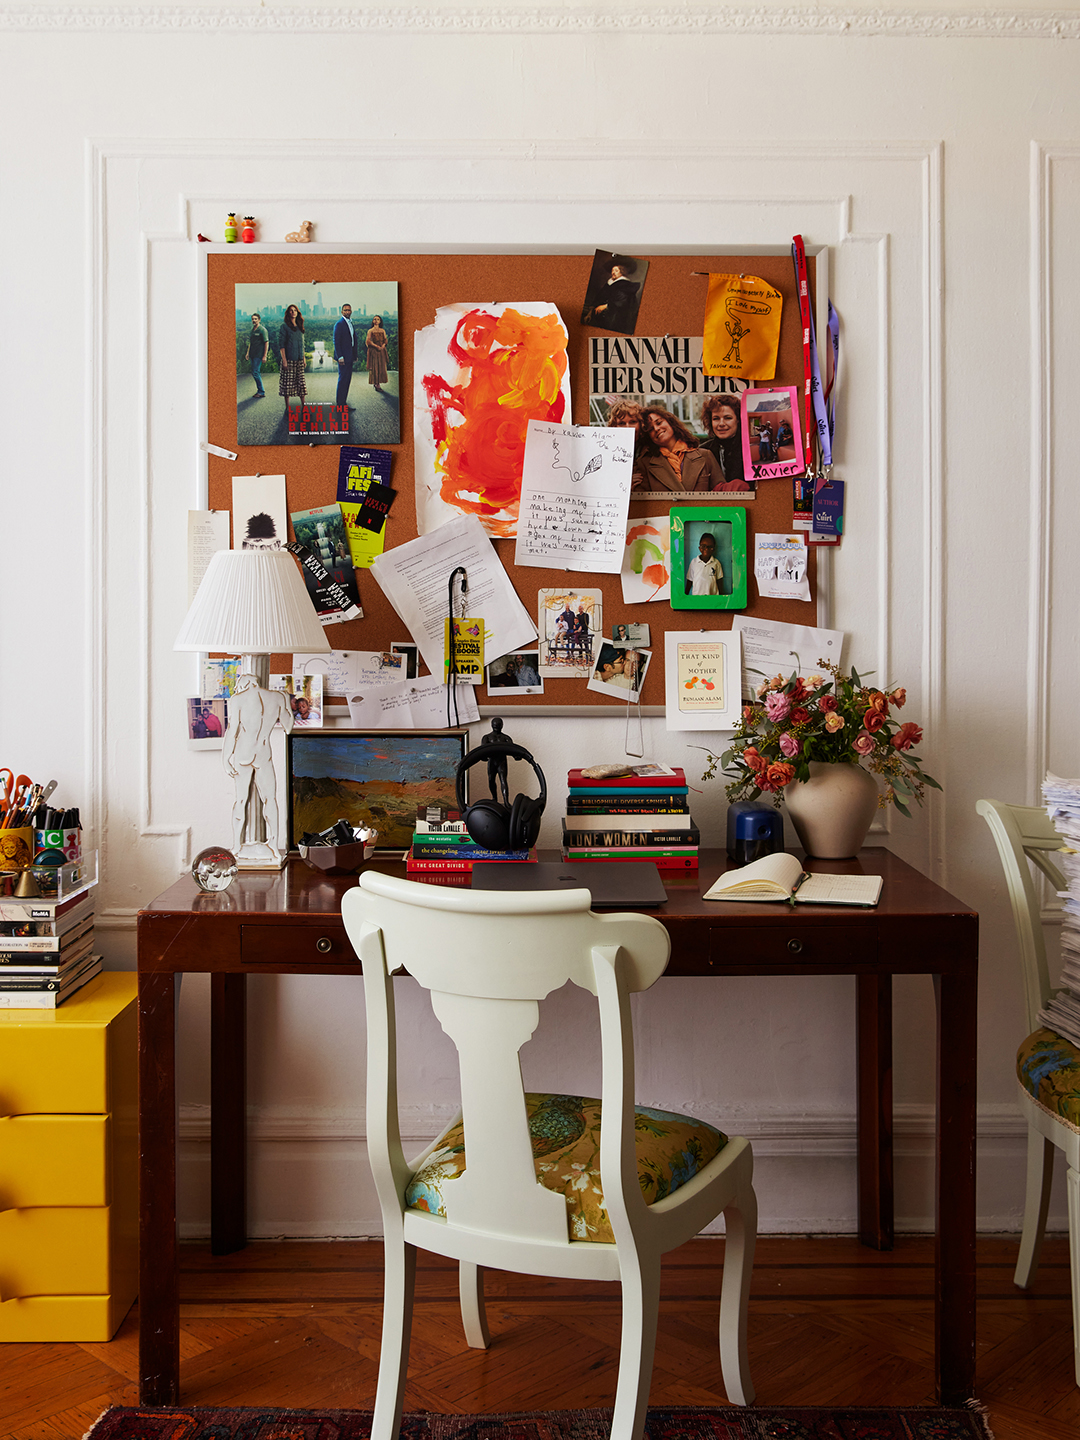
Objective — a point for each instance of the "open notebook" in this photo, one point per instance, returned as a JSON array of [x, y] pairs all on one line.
[[781, 877]]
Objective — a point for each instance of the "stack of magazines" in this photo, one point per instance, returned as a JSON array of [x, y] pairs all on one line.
[[46, 949], [1062, 1012]]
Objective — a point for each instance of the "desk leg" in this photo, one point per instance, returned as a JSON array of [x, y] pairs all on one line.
[[228, 1113], [954, 1281], [159, 1293], [875, 1110]]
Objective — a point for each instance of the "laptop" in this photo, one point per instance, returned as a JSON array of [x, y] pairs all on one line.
[[618, 884]]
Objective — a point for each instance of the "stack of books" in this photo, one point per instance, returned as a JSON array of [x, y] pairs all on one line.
[[46, 950], [441, 845], [644, 815]]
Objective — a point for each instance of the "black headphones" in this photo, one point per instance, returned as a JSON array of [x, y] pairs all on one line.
[[493, 823]]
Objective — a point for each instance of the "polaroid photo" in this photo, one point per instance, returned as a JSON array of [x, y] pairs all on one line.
[[771, 438], [305, 694], [410, 651], [620, 671], [518, 672], [630, 635], [569, 622], [702, 679], [207, 721]]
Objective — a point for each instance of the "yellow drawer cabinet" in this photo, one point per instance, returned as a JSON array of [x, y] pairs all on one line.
[[69, 1212]]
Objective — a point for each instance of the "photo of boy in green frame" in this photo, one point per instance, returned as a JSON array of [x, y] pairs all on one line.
[[708, 557]]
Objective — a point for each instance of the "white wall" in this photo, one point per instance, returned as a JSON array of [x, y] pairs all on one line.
[[939, 158]]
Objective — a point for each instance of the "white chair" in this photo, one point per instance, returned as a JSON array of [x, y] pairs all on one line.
[[1047, 1065], [488, 959]]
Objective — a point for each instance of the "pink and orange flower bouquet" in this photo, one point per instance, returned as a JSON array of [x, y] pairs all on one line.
[[834, 718]]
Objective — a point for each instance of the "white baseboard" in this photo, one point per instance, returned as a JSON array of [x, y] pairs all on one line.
[[308, 1176]]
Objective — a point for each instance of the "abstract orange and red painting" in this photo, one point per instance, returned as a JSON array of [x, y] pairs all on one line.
[[482, 373]]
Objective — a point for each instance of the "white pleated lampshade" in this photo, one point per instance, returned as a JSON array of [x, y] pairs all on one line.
[[252, 602]]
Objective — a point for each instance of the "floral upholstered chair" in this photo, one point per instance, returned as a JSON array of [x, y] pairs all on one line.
[[1047, 1065]]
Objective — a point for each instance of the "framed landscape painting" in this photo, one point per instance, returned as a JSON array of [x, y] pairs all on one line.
[[370, 778]]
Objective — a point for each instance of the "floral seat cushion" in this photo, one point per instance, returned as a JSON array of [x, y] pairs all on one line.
[[565, 1131], [1048, 1067]]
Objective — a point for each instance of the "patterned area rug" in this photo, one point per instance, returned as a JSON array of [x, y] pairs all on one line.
[[691, 1423]]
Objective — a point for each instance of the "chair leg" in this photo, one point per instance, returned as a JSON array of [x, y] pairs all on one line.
[[640, 1304], [1073, 1177], [740, 1223], [473, 1314], [1040, 1174], [399, 1263]]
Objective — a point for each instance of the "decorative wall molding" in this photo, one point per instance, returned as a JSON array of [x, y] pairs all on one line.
[[550, 20], [819, 1135]]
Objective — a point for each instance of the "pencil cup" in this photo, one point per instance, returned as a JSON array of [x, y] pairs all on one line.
[[16, 848]]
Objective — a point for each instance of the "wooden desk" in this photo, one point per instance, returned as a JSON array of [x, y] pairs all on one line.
[[291, 923]]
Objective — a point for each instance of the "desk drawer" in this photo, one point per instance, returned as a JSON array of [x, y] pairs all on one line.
[[322, 944], [798, 943]]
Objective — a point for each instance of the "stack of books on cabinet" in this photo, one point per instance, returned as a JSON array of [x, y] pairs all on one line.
[[442, 846], [46, 949], [643, 815]]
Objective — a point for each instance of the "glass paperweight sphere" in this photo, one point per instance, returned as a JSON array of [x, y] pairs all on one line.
[[214, 868]]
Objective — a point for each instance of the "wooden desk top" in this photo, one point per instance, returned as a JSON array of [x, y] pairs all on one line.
[[916, 927]]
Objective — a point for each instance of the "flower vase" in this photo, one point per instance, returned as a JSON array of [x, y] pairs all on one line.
[[833, 810]]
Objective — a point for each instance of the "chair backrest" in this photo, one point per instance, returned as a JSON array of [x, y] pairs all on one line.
[[488, 958], [1023, 833]]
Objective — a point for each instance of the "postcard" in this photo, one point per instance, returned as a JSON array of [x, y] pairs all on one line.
[[260, 515], [780, 567], [613, 294], [701, 679]]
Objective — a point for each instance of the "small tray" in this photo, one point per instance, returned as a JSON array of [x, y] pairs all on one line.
[[338, 859]]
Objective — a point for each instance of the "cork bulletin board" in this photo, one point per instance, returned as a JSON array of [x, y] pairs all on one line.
[[672, 303]]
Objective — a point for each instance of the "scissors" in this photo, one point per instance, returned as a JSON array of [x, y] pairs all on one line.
[[20, 784]]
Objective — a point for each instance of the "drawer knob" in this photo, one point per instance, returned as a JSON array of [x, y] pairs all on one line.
[[324, 945], [795, 946]]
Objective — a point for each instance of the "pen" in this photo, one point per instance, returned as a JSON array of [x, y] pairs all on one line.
[[803, 877]]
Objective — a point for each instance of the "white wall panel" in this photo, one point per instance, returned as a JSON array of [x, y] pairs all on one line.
[[942, 172]]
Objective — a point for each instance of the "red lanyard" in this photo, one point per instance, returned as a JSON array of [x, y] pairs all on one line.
[[798, 256]]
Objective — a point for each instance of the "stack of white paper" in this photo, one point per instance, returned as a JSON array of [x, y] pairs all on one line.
[[1062, 1012]]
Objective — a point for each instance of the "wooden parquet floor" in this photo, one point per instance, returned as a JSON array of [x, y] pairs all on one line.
[[297, 1324]]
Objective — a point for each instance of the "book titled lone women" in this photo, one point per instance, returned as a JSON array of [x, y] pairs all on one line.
[[781, 877]]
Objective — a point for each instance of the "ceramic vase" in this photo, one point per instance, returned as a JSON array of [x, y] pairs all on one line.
[[833, 810]]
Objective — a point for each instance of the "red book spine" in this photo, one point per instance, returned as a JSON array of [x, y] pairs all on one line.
[[657, 782]]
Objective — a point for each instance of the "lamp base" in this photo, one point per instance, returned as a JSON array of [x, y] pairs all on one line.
[[258, 855]]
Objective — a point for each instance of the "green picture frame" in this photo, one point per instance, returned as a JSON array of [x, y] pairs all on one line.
[[726, 526]]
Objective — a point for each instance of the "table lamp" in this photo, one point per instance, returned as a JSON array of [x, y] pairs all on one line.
[[253, 603]]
